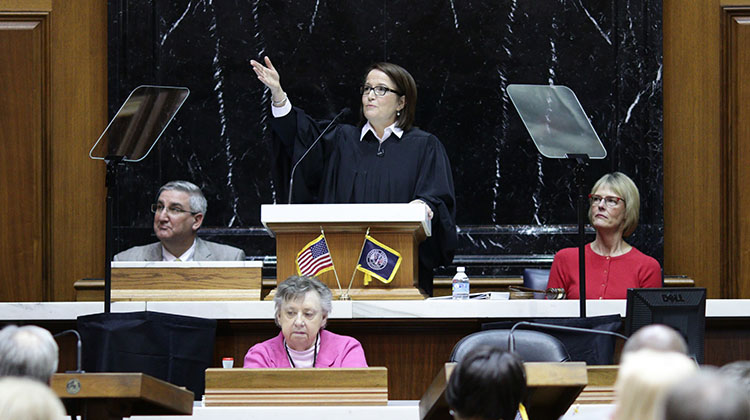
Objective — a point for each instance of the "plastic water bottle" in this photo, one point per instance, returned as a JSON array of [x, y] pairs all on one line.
[[460, 284]]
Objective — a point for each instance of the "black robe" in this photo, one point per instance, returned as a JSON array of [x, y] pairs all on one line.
[[343, 169]]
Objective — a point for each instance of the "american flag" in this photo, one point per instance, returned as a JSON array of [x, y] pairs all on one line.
[[314, 258]]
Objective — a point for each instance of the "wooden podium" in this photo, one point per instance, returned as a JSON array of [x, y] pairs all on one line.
[[552, 388], [399, 226], [117, 395], [283, 387], [188, 280]]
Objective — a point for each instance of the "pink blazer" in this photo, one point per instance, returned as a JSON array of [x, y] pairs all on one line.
[[335, 351]]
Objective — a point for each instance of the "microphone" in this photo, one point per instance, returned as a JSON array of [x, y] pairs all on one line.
[[345, 111], [78, 349], [512, 342]]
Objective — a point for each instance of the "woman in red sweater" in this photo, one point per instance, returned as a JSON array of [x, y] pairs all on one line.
[[612, 265]]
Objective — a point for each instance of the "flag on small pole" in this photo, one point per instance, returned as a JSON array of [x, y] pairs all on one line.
[[314, 258], [378, 260]]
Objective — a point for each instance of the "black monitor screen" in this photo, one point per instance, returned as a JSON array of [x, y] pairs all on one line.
[[683, 309]]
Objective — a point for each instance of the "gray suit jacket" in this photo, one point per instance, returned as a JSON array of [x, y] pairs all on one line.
[[204, 251]]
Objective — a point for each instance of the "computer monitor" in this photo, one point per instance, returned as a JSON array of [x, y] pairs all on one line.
[[683, 309]]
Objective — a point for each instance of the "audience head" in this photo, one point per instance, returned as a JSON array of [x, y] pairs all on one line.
[[707, 395], [27, 399], [643, 380], [28, 351], [624, 187], [656, 337], [302, 306], [178, 212], [487, 384], [740, 371]]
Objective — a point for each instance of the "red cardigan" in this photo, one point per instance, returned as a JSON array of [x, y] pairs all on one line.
[[606, 277]]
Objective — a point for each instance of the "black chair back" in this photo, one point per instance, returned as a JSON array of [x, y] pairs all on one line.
[[590, 348], [531, 346]]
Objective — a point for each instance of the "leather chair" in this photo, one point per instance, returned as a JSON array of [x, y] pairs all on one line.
[[531, 346], [594, 349], [536, 278]]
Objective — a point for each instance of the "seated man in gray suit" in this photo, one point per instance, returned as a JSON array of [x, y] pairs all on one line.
[[178, 214]]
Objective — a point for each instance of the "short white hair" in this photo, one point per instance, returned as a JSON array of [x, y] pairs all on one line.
[[28, 351]]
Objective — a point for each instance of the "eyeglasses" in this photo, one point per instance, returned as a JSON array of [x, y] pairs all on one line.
[[610, 200], [172, 211], [293, 314], [379, 90]]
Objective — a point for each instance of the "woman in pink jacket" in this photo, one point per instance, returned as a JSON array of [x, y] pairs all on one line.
[[302, 307]]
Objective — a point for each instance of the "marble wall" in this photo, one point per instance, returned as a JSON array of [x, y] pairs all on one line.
[[515, 207]]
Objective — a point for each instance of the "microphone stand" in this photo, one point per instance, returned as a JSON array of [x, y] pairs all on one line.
[[79, 349]]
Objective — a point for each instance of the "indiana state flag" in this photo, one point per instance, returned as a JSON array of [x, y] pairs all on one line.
[[378, 260]]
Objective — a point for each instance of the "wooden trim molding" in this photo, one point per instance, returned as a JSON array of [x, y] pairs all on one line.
[[735, 152]]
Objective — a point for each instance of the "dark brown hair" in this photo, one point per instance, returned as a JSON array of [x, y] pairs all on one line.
[[488, 383], [406, 87]]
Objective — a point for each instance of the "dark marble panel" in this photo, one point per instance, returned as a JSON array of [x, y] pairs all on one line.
[[512, 203]]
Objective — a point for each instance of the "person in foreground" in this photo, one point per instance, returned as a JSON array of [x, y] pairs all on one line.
[[707, 395], [656, 337], [612, 265], [488, 384], [643, 379], [28, 351], [178, 214], [302, 305], [386, 159], [27, 399]]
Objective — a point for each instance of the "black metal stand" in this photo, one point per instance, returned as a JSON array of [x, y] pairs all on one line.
[[111, 184], [579, 176]]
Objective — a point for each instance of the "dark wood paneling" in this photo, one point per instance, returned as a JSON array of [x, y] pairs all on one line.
[[79, 114], [53, 58], [736, 151], [23, 139], [706, 134]]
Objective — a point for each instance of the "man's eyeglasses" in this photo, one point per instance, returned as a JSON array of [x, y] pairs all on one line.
[[379, 90], [610, 200], [172, 211]]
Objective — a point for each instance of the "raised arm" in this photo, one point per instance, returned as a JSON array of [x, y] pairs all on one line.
[[269, 76]]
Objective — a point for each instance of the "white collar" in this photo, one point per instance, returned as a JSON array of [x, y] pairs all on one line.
[[393, 128], [186, 256]]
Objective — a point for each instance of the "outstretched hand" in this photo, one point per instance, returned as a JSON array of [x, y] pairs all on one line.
[[270, 77]]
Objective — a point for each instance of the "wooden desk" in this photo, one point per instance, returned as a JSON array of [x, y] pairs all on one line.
[[413, 339], [186, 281], [118, 395]]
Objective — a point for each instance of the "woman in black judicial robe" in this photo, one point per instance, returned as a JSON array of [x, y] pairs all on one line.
[[385, 160]]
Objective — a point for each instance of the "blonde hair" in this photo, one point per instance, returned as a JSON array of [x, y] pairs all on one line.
[[642, 383], [625, 188], [28, 399]]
